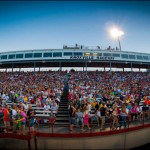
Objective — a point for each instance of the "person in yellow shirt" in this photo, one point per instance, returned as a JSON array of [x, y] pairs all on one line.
[[25, 98], [93, 103], [100, 105]]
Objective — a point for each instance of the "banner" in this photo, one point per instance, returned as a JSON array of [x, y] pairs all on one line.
[[93, 57]]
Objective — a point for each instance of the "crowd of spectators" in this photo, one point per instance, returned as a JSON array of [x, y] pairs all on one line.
[[110, 94], [43, 89]]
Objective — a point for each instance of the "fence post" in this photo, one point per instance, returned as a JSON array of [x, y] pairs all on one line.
[[91, 124], [128, 120], [52, 127], [29, 124], [125, 140], [143, 117], [29, 144], [111, 122], [69, 124], [35, 142]]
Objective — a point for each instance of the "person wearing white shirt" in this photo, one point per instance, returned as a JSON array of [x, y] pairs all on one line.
[[46, 106], [14, 114], [89, 107], [3, 95], [98, 116], [26, 106], [6, 98], [54, 106]]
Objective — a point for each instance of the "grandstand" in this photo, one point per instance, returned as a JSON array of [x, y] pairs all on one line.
[[62, 89]]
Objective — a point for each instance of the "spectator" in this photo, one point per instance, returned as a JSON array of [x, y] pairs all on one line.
[[46, 106], [98, 116], [72, 111], [25, 106], [23, 122], [96, 106], [18, 120], [30, 117], [86, 118], [134, 111], [54, 106], [79, 117], [103, 115], [1, 112], [123, 115], [14, 115], [115, 115], [6, 118]]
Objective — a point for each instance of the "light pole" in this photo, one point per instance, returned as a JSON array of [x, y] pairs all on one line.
[[116, 33], [119, 43]]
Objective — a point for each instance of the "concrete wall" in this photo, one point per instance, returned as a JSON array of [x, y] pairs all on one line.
[[117, 141], [15, 144], [137, 138]]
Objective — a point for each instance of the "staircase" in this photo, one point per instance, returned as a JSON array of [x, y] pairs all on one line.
[[62, 118]]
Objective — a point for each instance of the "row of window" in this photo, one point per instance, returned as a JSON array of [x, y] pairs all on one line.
[[59, 54], [39, 55], [124, 56], [139, 57]]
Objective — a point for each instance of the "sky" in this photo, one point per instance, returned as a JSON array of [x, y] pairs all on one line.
[[26, 25]]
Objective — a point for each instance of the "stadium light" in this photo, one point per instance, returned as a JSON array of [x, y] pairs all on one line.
[[116, 33]]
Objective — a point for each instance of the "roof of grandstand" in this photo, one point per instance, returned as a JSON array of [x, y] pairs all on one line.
[[77, 56]]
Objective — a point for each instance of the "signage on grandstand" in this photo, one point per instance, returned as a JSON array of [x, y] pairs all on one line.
[[93, 57]]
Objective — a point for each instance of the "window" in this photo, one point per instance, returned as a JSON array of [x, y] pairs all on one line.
[[67, 53], [19, 55], [124, 56], [139, 57], [3, 56], [28, 55], [106, 54], [94, 54], [145, 57], [47, 55], [116, 55], [88, 54], [99, 54], [58, 54], [131, 56], [78, 54], [37, 55], [11, 56]]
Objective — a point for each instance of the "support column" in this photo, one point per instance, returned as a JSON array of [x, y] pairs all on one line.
[[19, 69], [83, 68], [104, 69], [110, 66], [60, 68], [39, 69], [123, 69], [12, 67], [131, 67], [86, 67], [34, 66]]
